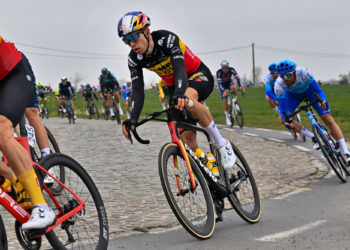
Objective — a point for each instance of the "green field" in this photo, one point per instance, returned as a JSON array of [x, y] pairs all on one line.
[[256, 111]]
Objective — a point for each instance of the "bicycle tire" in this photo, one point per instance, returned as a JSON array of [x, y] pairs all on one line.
[[177, 202], [46, 111], [116, 112], [91, 229], [245, 199], [239, 115], [106, 112], [90, 112], [3, 235], [232, 114], [327, 152], [343, 163], [95, 112]]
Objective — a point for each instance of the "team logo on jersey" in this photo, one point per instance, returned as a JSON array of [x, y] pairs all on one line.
[[160, 41], [139, 56]]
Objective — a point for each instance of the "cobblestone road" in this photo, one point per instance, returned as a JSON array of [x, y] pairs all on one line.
[[127, 175]]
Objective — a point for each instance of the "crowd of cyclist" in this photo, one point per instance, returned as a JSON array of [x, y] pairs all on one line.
[[185, 78]]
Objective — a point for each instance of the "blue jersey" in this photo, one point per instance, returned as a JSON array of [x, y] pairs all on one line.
[[270, 86], [65, 89], [127, 91], [225, 80], [304, 79]]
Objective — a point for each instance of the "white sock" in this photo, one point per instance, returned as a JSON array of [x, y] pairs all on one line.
[[45, 152], [275, 109], [215, 134], [226, 113], [306, 132], [163, 106], [343, 146], [111, 111]]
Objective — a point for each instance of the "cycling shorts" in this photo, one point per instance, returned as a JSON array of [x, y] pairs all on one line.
[[67, 94], [203, 82], [293, 99], [225, 86], [16, 90], [88, 97]]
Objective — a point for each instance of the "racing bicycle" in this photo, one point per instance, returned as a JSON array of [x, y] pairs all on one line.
[[92, 110], [43, 110], [81, 216], [328, 145], [234, 109], [194, 194]]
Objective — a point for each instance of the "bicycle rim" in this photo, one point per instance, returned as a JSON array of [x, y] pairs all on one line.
[[239, 115], [193, 209], [88, 229], [245, 197], [343, 163], [329, 154]]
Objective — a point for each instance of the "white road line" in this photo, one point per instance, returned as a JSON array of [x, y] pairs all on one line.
[[250, 134], [285, 133], [273, 139], [301, 148], [286, 195], [294, 231], [229, 129], [263, 129]]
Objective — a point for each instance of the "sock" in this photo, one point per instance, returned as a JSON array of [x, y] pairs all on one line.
[[226, 113], [215, 134], [343, 146], [30, 183], [111, 111], [275, 109], [306, 132], [45, 152]]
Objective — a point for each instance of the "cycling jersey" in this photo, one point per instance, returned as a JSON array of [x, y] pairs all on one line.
[[270, 86], [88, 94], [9, 57], [171, 59], [109, 82], [304, 86], [66, 90], [225, 80], [127, 91]]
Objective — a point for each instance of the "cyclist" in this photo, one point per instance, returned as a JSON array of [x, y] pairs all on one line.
[[186, 75], [269, 81], [88, 95], [42, 94], [298, 83], [109, 85], [66, 90], [162, 92], [17, 87], [225, 82], [127, 92]]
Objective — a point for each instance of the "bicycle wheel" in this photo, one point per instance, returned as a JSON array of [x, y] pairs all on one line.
[[89, 109], [95, 111], [106, 112], [116, 112], [194, 209], [244, 195], [3, 235], [232, 113], [87, 229], [239, 115], [46, 112], [343, 163], [329, 154]]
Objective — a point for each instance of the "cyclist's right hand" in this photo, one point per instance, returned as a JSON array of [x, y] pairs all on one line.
[[127, 127], [225, 93]]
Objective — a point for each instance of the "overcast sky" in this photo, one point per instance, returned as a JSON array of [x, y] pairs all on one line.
[[314, 33]]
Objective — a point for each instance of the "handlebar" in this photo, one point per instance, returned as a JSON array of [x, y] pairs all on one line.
[[304, 107]]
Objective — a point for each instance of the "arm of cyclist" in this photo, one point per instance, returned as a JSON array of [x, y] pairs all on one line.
[[238, 79], [178, 62]]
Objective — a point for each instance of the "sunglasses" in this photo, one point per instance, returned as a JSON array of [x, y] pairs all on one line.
[[287, 75], [133, 37]]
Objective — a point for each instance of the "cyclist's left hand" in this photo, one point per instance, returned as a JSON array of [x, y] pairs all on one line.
[[323, 105], [296, 126], [181, 103]]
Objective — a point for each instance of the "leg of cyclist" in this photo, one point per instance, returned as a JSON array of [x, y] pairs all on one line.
[[224, 97], [200, 86], [18, 87], [110, 104], [116, 96]]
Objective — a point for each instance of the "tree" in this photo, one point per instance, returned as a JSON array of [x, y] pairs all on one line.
[[344, 79], [77, 79]]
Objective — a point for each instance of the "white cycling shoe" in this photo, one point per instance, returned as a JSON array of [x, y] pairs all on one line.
[[228, 157], [121, 111], [228, 121], [42, 216]]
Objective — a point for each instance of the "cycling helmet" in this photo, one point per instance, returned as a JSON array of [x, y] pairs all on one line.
[[133, 21], [39, 84], [64, 78], [224, 64], [104, 70], [285, 66], [88, 85], [272, 67]]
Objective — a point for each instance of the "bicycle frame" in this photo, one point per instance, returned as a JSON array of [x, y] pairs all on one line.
[[21, 214]]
